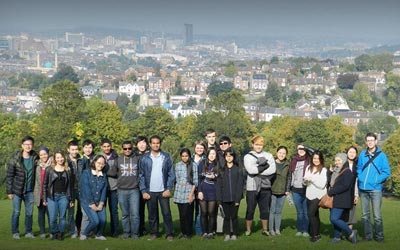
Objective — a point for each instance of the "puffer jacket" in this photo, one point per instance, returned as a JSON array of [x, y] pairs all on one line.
[[16, 173]]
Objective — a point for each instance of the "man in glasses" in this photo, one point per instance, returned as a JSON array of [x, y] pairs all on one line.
[[128, 191], [224, 144]]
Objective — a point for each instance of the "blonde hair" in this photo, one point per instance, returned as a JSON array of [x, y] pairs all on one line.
[[65, 165], [258, 139]]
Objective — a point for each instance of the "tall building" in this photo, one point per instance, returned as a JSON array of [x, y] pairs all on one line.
[[188, 34], [75, 38]]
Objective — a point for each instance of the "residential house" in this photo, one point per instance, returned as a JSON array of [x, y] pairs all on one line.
[[131, 88], [179, 110], [339, 104], [110, 98], [241, 82], [89, 91], [353, 118], [259, 82], [251, 110], [280, 78]]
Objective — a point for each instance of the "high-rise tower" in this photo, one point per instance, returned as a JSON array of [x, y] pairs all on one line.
[[188, 34]]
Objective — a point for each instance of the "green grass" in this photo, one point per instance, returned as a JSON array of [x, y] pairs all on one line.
[[391, 208]]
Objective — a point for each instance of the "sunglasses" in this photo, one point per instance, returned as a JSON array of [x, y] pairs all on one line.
[[127, 148], [223, 143]]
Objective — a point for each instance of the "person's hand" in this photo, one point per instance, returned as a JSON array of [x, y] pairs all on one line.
[[93, 207], [146, 196], [45, 203], [190, 197], [166, 194], [355, 200], [100, 207], [71, 204], [201, 196], [236, 204], [10, 196]]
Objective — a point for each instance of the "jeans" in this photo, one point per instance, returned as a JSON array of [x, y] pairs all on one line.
[[155, 199], [57, 208], [42, 212], [338, 223], [375, 199], [313, 216], [300, 202], [28, 201], [142, 206], [97, 220], [85, 220], [112, 199], [275, 212], [129, 204]]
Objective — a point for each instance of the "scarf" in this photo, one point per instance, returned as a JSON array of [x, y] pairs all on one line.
[[297, 158]]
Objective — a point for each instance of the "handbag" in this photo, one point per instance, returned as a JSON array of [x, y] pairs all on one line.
[[326, 202]]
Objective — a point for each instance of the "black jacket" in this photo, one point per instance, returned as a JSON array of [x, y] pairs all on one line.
[[48, 185], [16, 173], [230, 185], [342, 191]]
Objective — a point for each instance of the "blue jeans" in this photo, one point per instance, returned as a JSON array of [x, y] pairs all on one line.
[[28, 201], [375, 198], [97, 220], [338, 223], [300, 202], [57, 208], [42, 213], [155, 199], [275, 212], [112, 199], [129, 204]]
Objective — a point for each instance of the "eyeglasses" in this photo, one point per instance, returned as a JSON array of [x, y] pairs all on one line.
[[127, 149], [223, 143], [370, 140]]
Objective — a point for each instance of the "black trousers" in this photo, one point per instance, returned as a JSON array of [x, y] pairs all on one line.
[[186, 218], [231, 218], [313, 216]]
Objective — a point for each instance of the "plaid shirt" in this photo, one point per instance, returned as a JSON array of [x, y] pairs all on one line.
[[182, 187]]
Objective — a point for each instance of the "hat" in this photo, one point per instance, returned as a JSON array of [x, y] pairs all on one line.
[[44, 149], [341, 156]]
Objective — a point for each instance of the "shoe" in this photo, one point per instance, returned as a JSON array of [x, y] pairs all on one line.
[[170, 238], [205, 236], [101, 237], [315, 238], [61, 236], [353, 237], [265, 232], [210, 236], [16, 236], [29, 236], [152, 237], [227, 238], [83, 237], [272, 233], [305, 234], [335, 240], [277, 232], [54, 236], [367, 239], [74, 236], [135, 237], [299, 234], [124, 236], [42, 236], [247, 233], [233, 237]]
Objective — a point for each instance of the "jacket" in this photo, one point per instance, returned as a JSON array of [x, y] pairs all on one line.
[[283, 180], [250, 163], [16, 173], [111, 170], [145, 167], [229, 185], [48, 186], [371, 177], [342, 190], [93, 188], [38, 190]]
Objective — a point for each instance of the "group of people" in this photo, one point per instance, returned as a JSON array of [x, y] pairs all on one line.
[[75, 190]]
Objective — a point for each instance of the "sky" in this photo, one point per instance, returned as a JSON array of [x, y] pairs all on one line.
[[309, 18]]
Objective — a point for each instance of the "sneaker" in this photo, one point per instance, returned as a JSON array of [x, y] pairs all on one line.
[[124, 236], [335, 240], [29, 236], [152, 237], [83, 237], [265, 232], [247, 233], [170, 238], [299, 234], [233, 237], [227, 238], [353, 237], [101, 237], [42, 236], [272, 233], [305, 234], [16, 236], [74, 236], [135, 237], [277, 232], [210, 236], [315, 238]]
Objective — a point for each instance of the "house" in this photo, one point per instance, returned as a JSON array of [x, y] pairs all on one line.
[[131, 88], [110, 98], [259, 82], [241, 82], [179, 110], [339, 104], [89, 91], [353, 118], [251, 110], [280, 78]]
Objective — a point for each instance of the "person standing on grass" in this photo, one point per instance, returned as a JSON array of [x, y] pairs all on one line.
[[93, 197], [315, 179], [20, 183], [184, 193], [372, 170], [352, 158], [45, 161], [280, 189], [58, 194], [156, 180], [198, 160], [229, 192]]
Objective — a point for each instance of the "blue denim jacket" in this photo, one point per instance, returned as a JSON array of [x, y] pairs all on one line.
[[93, 189]]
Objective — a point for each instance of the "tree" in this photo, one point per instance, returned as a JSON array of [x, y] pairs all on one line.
[[363, 62], [273, 95], [63, 107], [217, 87], [274, 60], [131, 77], [123, 102], [383, 123], [228, 101], [230, 71], [361, 97], [392, 93], [65, 72], [392, 149], [191, 102], [347, 81]]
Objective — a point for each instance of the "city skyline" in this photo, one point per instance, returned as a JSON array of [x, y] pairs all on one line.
[[352, 19]]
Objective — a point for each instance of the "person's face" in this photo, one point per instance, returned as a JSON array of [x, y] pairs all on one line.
[[281, 154], [258, 147], [27, 146], [155, 145], [73, 151], [351, 154], [88, 150], [199, 149], [301, 150], [316, 161], [229, 158], [212, 155], [59, 159], [99, 164], [211, 138], [224, 145], [127, 149], [371, 142], [338, 162], [106, 148], [141, 146], [185, 157], [43, 156]]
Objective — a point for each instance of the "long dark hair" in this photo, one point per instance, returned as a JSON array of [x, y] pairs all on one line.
[[215, 162], [189, 165], [229, 151], [321, 160]]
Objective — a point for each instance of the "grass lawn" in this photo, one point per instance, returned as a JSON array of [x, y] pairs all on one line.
[[287, 240]]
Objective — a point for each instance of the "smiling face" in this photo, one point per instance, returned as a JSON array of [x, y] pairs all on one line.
[[27, 146], [212, 155], [301, 151], [211, 139], [199, 149], [281, 154], [185, 157], [99, 164], [142, 146], [351, 154], [88, 150], [338, 162], [59, 158], [43, 156], [371, 143]]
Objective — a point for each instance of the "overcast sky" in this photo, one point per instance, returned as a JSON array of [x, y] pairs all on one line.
[[342, 18]]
